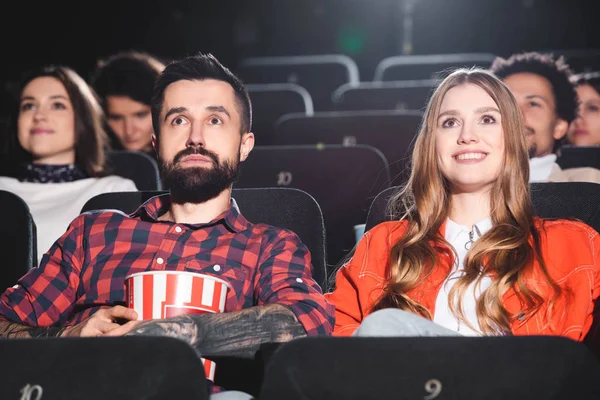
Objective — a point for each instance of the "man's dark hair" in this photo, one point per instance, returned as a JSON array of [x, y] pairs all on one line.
[[556, 71], [128, 73], [200, 67], [90, 136]]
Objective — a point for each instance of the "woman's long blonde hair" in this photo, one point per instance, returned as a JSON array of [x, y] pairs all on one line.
[[506, 251]]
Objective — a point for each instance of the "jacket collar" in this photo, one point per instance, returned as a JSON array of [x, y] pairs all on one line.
[[156, 206]]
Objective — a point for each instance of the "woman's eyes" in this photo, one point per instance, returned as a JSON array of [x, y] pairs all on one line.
[[27, 106], [488, 119], [453, 122], [54, 106], [450, 123], [59, 106]]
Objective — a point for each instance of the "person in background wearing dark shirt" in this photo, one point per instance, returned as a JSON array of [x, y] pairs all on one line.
[[202, 117]]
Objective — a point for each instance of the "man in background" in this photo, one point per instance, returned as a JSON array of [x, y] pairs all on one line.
[[548, 100]]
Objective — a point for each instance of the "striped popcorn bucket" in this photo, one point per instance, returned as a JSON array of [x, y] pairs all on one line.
[[166, 294]]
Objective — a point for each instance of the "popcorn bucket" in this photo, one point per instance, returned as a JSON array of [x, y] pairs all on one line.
[[166, 294]]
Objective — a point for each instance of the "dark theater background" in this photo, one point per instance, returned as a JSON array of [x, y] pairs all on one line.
[[78, 33], [75, 33], [334, 139]]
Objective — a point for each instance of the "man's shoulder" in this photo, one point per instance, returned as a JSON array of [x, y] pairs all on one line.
[[273, 233], [102, 216]]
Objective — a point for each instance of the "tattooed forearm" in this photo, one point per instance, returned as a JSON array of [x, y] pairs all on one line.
[[237, 333], [11, 330]]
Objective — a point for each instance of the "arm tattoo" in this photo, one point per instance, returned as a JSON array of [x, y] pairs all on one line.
[[12, 330], [238, 333]]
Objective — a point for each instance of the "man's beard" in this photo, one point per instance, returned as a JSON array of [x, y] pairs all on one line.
[[531, 144], [197, 184]]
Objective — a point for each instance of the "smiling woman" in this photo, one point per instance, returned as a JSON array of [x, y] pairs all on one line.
[[57, 158], [49, 142], [468, 257], [469, 138]]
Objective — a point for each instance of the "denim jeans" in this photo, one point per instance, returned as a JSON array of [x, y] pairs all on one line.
[[392, 322], [231, 395]]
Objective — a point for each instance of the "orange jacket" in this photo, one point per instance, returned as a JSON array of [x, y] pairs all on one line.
[[571, 251]]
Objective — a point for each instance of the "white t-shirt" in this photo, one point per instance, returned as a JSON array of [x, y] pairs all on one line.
[[54, 205], [541, 167], [458, 235]]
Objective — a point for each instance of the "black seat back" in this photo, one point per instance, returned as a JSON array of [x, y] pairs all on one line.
[[432, 66], [101, 368], [319, 74], [282, 207], [579, 157], [451, 368], [17, 239], [550, 200], [391, 132], [396, 95], [270, 101], [343, 180], [138, 166]]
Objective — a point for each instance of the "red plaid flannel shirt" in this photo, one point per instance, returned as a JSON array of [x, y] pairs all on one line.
[[86, 268]]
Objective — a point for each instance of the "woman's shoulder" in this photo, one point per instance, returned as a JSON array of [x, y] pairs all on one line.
[[16, 186], [371, 255], [7, 182], [564, 228], [115, 183], [572, 240], [568, 247], [388, 232]]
